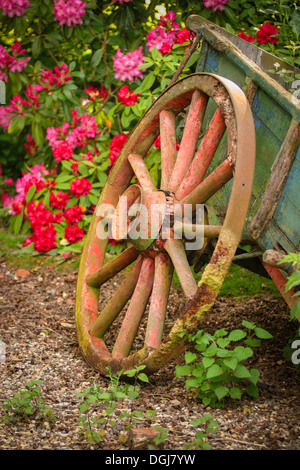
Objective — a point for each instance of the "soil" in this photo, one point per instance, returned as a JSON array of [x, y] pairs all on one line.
[[38, 328]]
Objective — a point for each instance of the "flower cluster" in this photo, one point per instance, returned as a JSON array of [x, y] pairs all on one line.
[[41, 221], [58, 78], [59, 200], [31, 147], [265, 34], [166, 34], [96, 94], [126, 65], [215, 4], [5, 117], [80, 187], [12, 63], [64, 139], [69, 12], [127, 97], [14, 7], [116, 146]]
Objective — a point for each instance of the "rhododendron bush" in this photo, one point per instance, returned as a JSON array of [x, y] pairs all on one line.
[[78, 77]]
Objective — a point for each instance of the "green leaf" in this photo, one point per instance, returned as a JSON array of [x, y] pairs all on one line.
[[190, 357], [36, 47], [96, 57], [254, 376], [84, 407], [248, 324], [242, 372], [252, 391], [207, 362], [148, 82], [214, 371], [231, 362], [30, 193], [183, 370], [18, 223], [235, 393], [143, 377], [221, 392], [237, 335], [261, 333]]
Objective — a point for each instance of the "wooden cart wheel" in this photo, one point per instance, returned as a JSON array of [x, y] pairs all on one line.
[[184, 180]]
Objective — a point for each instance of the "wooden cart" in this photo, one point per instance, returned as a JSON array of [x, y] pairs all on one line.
[[239, 156]]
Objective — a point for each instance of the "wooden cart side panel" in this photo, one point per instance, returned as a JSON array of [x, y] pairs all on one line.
[[272, 122]]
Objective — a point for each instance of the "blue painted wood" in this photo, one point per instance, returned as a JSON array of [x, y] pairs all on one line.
[[272, 121]]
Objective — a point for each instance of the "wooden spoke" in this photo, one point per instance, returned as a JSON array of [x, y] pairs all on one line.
[[113, 267], [177, 254], [215, 180], [158, 305], [168, 146], [141, 172], [204, 155], [189, 139], [117, 302], [135, 311]]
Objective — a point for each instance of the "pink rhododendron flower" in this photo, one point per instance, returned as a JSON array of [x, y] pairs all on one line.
[[52, 80], [5, 117], [69, 12], [80, 187], [266, 32], [246, 37], [97, 94], [12, 63], [14, 7], [73, 233], [9, 181], [215, 4], [31, 147], [166, 34], [17, 105], [127, 97], [126, 65]]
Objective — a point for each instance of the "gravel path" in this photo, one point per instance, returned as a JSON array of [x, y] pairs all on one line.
[[37, 327]]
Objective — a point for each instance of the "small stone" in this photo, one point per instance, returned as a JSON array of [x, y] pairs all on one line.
[[22, 273]]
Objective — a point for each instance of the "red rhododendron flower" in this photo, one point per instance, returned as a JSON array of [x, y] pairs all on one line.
[[246, 37], [44, 238], [266, 32], [183, 36], [127, 97], [73, 214], [62, 151], [57, 217], [80, 187], [157, 144], [73, 233], [38, 215], [59, 200], [116, 146]]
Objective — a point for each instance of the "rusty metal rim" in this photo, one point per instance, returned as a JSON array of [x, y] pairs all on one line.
[[176, 98]]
